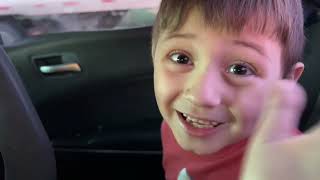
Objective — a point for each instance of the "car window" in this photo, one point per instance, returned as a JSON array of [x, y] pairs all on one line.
[[21, 19]]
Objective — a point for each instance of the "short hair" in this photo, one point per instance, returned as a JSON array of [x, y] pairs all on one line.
[[283, 19]]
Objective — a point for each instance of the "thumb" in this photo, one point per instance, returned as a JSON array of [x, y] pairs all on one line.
[[281, 112]]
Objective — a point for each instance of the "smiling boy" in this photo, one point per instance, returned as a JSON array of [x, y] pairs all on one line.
[[208, 56]]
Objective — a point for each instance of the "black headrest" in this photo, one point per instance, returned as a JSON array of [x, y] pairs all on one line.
[[310, 11], [311, 56], [315, 2]]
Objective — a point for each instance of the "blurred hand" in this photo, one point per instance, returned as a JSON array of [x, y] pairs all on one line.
[[275, 153]]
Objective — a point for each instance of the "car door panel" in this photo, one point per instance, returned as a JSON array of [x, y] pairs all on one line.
[[104, 114]]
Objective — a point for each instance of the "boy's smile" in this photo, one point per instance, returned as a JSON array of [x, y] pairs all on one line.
[[203, 79], [201, 122]]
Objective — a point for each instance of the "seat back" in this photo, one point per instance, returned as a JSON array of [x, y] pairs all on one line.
[[310, 78], [25, 147]]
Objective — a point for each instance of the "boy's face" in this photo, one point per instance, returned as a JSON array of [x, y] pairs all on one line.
[[203, 79]]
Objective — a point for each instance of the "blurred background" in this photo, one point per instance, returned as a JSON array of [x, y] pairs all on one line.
[[20, 19]]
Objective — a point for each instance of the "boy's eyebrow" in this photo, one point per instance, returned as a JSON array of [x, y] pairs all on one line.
[[251, 45], [248, 44], [181, 35]]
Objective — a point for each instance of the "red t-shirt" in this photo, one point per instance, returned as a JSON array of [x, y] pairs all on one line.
[[225, 164]]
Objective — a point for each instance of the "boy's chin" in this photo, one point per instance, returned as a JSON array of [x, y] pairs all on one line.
[[201, 146], [205, 148], [202, 150]]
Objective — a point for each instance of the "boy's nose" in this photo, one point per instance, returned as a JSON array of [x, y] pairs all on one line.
[[205, 88]]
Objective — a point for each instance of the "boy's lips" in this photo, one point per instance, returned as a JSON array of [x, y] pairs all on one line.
[[199, 119], [199, 126], [219, 113]]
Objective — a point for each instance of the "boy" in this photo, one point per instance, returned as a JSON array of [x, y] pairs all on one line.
[[213, 63]]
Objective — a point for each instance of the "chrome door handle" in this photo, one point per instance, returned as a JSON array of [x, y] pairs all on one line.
[[60, 68]]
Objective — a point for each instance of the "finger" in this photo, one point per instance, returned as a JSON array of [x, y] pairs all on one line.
[[281, 112], [248, 105]]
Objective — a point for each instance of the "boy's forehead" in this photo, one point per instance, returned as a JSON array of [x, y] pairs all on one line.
[[196, 31], [195, 21]]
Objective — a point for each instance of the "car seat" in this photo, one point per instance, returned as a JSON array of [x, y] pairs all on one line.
[[24, 145], [310, 78]]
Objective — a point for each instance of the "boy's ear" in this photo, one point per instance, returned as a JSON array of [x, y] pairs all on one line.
[[296, 71]]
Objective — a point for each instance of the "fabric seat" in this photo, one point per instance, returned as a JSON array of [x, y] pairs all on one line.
[[24, 144], [310, 78]]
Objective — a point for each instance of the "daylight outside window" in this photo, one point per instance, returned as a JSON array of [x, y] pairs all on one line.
[[21, 19]]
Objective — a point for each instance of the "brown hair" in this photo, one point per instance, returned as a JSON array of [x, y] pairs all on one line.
[[283, 17]]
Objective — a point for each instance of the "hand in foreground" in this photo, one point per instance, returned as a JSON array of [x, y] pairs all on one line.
[[275, 153]]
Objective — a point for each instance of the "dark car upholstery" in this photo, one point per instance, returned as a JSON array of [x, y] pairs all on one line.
[[24, 143], [310, 78]]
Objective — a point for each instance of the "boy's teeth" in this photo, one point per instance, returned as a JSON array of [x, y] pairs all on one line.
[[195, 125], [214, 123], [200, 123], [201, 126], [189, 120], [203, 122]]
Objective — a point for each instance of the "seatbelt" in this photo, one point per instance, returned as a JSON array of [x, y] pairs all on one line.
[[26, 149]]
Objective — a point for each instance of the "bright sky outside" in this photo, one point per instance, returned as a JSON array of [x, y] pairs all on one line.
[[43, 7]]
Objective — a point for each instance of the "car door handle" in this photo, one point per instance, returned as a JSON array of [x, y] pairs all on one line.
[[60, 68]]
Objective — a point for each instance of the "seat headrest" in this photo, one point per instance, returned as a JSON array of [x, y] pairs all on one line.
[[316, 2], [310, 11]]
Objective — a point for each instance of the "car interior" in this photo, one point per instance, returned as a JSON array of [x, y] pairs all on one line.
[[81, 105]]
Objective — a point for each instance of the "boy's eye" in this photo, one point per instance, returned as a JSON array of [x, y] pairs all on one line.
[[180, 58], [241, 69]]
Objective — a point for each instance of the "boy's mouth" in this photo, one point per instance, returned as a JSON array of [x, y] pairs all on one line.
[[198, 123]]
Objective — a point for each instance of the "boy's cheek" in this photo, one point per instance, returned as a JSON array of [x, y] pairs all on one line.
[[167, 88], [247, 108], [251, 102]]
